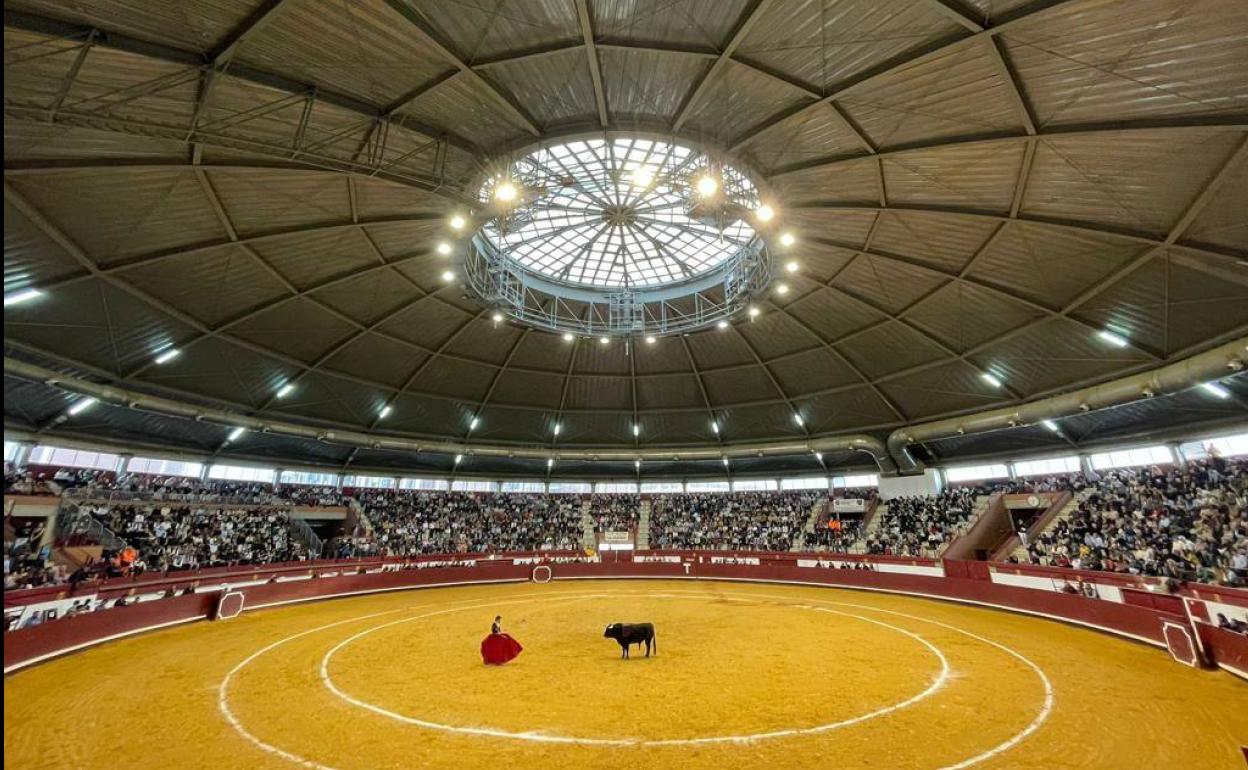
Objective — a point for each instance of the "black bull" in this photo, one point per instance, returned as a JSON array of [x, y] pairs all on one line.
[[633, 633]]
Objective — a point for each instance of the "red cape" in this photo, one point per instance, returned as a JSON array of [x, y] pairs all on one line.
[[497, 649]]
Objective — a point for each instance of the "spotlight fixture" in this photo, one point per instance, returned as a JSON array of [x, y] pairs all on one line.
[[722, 325], [444, 248], [604, 340], [474, 422], [82, 405], [715, 426], [286, 390], [458, 459], [1050, 425], [782, 288], [819, 456], [168, 355], [792, 267], [557, 429], [567, 337], [385, 412], [458, 222], [764, 213], [636, 429], [236, 434], [797, 418], [448, 276], [505, 192], [550, 462], [18, 297], [1215, 389], [707, 185], [637, 464], [725, 460], [787, 239], [754, 311], [497, 317], [991, 379], [651, 339], [1112, 338]]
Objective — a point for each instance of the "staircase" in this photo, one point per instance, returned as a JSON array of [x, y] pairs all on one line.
[[817, 509], [1020, 552], [873, 526], [979, 531], [588, 539], [643, 526]]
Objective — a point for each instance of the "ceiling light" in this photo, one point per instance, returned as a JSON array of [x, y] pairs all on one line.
[[458, 222], [550, 462], [797, 418], [1117, 340], [787, 239], [557, 429], [473, 423], [991, 379], [286, 390], [567, 337], [1215, 389], [168, 355], [642, 177], [754, 311], [722, 325], [458, 458], [764, 213], [18, 297], [444, 248], [505, 191], [637, 464], [497, 317], [651, 339], [707, 185], [715, 426], [1050, 425], [81, 406], [448, 276], [385, 412], [604, 340], [792, 267], [636, 429], [819, 456], [782, 288], [725, 459], [236, 434]]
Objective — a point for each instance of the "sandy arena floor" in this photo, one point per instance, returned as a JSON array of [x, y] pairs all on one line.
[[745, 676]]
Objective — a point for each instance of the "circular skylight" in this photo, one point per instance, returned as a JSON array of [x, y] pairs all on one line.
[[619, 213]]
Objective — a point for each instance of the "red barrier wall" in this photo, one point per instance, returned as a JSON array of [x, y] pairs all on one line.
[[1143, 623]]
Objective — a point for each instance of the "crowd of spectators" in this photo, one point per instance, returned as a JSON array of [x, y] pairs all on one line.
[[1186, 523], [176, 537], [26, 483], [764, 521], [922, 526], [614, 513], [407, 522], [27, 562]]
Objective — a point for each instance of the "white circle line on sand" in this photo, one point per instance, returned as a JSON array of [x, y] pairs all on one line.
[[223, 689], [1045, 709], [539, 737], [222, 700]]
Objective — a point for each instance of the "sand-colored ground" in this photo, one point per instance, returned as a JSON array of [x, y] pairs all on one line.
[[846, 679]]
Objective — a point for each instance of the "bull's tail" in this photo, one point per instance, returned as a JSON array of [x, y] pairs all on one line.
[[654, 636]]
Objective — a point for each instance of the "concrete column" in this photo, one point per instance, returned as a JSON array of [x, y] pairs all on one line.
[[1176, 454], [1085, 463], [123, 460]]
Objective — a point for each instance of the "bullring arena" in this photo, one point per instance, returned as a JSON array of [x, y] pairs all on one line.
[[707, 384]]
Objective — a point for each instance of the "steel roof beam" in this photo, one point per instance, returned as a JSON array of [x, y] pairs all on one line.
[[122, 42], [748, 19], [909, 59], [430, 38], [591, 58]]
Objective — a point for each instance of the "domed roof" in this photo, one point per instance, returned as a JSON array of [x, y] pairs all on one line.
[[993, 202]]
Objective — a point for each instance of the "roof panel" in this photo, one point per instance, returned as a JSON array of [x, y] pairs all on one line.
[[979, 176]]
